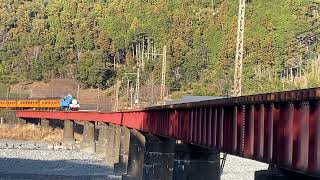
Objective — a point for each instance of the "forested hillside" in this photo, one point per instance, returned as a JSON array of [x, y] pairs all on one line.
[[83, 39]]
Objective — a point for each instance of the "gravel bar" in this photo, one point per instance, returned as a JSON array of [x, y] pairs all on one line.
[[33, 160], [237, 168]]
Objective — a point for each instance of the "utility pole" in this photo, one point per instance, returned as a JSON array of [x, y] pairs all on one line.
[[78, 92], [152, 87], [129, 88], [238, 66], [98, 99], [51, 85], [163, 74], [117, 94], [114, 63], [142, 56], [137, 86], [8, 91], [239, 50], [148, 48], [212, 4], [131, 97], [133, 51]]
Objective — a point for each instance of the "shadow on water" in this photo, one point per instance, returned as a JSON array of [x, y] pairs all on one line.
[[24, 169]]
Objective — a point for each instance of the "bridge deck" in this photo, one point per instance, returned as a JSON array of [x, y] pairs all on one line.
[[276, 128]]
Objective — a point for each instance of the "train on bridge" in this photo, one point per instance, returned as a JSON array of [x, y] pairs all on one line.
[[68, 103]]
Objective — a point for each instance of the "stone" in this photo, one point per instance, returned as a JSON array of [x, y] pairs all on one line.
[[88, 143], [196, 163], [121, 167], [68, 133]]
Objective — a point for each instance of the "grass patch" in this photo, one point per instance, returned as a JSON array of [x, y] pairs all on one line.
[[33, 133]]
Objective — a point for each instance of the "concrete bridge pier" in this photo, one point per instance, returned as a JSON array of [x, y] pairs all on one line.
[[101, 145], [110, 133], [20, 121], [116, 144], [44, 123], [33, 121], [88, 143], [9, 117], [158, 158], [196, 163], [68, 134], [276, 173], [271, 175], [150, 157], [121, 167], [113, 135], [136, 156]]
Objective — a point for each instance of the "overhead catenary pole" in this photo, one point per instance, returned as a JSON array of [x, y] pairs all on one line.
[[98, 99], [117, 94], [163, 69], [51, 85], [152, 51], [78, 91], [239, 50], [8, 90], [131, 97], [152, 88], [137, 98], [114, 63], [129, 87], [136, 53], [237, 91], [128, 90], [132, 47], [163, 74], [212, 4], [148, 48], [142, 55]]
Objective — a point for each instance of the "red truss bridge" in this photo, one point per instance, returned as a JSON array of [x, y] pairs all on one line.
[[282, 129]]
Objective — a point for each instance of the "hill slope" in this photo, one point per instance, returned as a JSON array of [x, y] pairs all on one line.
[[83, 40]]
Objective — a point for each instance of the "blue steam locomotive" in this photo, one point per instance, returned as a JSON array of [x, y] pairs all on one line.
[[69, 103]]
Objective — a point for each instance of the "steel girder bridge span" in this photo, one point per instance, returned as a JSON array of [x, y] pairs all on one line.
[[281, 129]]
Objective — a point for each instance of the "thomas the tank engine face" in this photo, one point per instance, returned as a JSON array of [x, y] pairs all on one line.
[[69, 103]]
